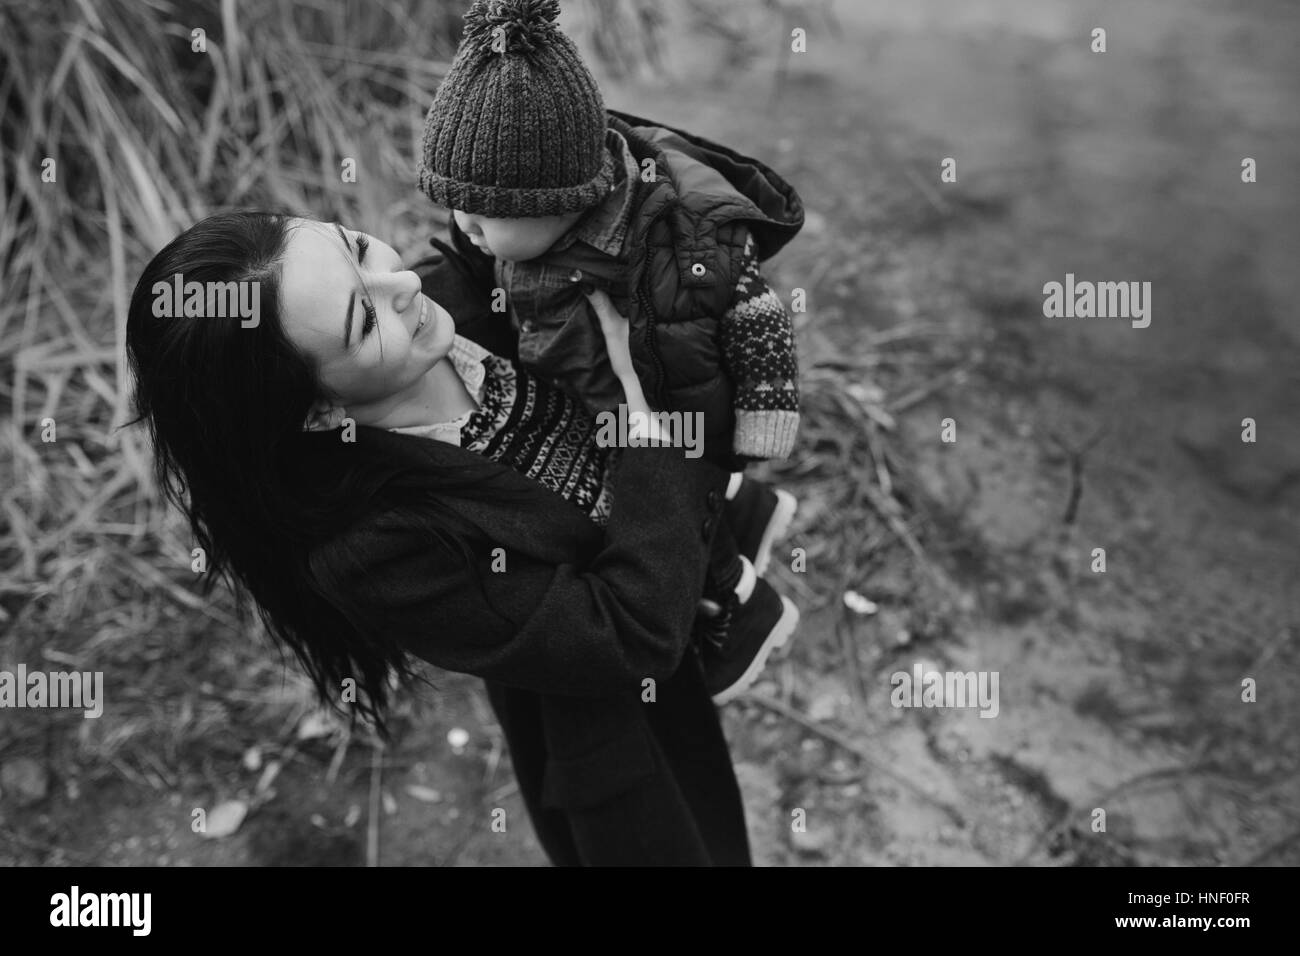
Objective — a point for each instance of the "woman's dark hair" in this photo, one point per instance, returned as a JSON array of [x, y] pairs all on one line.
[[225, 407]]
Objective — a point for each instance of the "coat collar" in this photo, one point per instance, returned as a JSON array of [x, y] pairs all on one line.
[[543, 524]]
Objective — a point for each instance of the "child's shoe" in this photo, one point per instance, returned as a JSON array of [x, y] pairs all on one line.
[[738, 640], [759, 516]]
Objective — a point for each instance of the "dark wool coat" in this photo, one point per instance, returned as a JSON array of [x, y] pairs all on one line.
[[565, 637]]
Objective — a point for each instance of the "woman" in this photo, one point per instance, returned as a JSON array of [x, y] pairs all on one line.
[[510, 546]]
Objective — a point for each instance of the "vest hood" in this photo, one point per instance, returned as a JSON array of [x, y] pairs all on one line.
[[718, 176]]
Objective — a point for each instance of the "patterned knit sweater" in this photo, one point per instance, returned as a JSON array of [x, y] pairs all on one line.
[[527, 425]]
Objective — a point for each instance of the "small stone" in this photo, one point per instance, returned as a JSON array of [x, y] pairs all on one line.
[[813, 841], [225, 819], [24, 780], [858, 604]]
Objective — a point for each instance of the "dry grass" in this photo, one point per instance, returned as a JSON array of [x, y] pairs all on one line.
[[148, 135]]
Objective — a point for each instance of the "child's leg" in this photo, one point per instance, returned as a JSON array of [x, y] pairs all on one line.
[[752, 620], [725, 567], [759, 516]]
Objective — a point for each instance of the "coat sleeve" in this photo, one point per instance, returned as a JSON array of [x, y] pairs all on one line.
[[596, 629]]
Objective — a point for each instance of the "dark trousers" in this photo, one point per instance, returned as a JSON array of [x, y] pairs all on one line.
[[688, 813]]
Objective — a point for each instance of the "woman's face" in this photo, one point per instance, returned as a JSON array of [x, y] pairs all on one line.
[[348, 304]]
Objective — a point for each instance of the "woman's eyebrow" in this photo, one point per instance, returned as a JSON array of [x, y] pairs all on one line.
[[343, 236]]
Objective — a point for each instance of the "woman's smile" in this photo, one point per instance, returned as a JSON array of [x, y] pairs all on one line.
[[424, 317]]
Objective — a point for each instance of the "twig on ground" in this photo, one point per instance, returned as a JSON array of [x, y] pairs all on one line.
[[941, 205], [337, 760], [953, 376], [503, 791], [493, 759], [889, 509], [1272, 848], [1075, 457], [1135, 782], [1285, 636], [902, 332], [845, 744], [878, 459], [846, 627], [76, 857], [372, 825]]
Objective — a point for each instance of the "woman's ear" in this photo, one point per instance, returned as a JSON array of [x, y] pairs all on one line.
[[324, 416]]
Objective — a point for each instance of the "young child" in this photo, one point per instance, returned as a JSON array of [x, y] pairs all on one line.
[[568, 197]]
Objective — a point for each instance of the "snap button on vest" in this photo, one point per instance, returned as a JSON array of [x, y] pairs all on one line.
[[697, 270], [575, 275]]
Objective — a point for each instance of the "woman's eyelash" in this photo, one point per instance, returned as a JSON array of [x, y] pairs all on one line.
[[363, 243], [369, 322]]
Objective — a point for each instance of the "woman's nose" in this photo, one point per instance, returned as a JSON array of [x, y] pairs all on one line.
[[403, 286], [408, 288]]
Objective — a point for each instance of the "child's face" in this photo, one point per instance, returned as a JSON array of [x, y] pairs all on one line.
[[516, 240]]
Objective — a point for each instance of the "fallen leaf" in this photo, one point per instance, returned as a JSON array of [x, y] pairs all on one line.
[[318, 723], [858, 604], [268, 777], [427, 794], [225, 819]]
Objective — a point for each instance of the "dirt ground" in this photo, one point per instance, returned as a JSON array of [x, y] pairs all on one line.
[[1119, 690]]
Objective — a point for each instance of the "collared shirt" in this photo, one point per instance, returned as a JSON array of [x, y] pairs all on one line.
[[468, 358], [605, 226], [524, 424], [558, 337]]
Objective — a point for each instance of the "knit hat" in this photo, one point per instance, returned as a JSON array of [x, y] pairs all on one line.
[[517, 126]]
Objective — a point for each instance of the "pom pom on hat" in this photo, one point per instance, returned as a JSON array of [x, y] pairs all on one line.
[[525, 25]]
